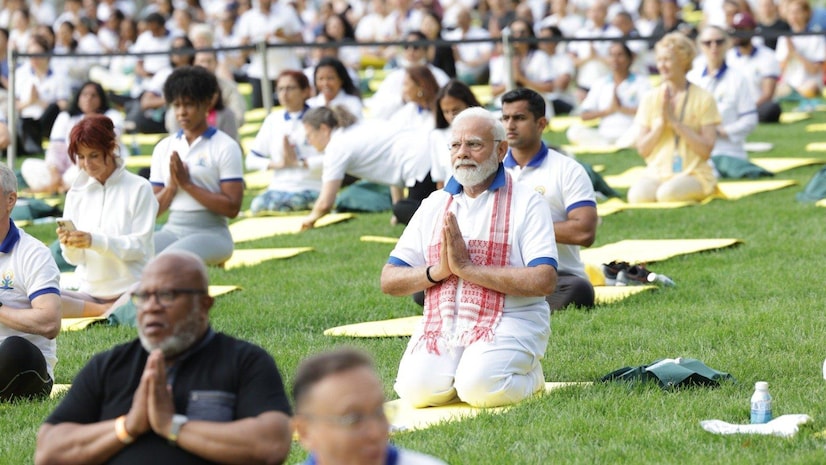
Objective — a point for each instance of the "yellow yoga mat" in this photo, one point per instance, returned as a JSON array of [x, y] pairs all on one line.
[[379, 239], [245, 88], [250, 229], [404, 326], [249, 129], [626, 178], [780, 164], [733, 190], [483, 93], [614, 205], [592, 149], [246, 143], [817, 127], [562, 123], [58, 389], [255, 180], [138, 161], [395, 327], [604, 295], [77, 324], [794, 117], [407, 418], [256, 114], [251, 257], [651, 250], [816, 147], [142, 139], [821, 203]]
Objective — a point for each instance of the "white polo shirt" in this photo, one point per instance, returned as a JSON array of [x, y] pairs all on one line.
[[50, 88], [760, 64], [736, 104], [441, 167], [212, 159], [352, 103], [531, 233], [601, 96], [268, 145], [146, 42], [376, 152], [255, 26], [813, 48], [565, 186], [28, 271]]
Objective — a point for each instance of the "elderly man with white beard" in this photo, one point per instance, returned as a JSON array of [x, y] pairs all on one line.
[[180, 393], [482, 250]]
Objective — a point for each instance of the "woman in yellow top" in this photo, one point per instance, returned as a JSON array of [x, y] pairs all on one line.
[[677, 123]]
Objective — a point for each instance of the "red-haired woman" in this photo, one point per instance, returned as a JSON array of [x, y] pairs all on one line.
[[113, 211]]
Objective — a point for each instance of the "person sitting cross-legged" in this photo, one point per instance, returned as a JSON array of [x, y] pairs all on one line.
[[483, 251]]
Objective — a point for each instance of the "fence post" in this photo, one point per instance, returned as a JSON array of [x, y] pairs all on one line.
[[11, 151], [507, 49], [266, 83]]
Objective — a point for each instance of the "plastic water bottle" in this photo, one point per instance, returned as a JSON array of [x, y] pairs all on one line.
[[661, 278], [761, 403]]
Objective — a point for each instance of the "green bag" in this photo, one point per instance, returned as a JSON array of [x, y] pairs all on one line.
[[737, 168], [671, 374], [815, 189], [28, 209], [363, 196]]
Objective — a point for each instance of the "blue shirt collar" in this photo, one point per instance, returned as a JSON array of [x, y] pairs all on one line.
[[537, 159], [288, 116], [720, 72], [11, 238], [210, 131], [392, 457], [453, 187]]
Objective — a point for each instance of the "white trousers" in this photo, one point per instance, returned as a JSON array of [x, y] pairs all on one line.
[[483, 374]]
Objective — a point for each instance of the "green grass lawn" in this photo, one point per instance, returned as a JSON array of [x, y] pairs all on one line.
[[755, 311]]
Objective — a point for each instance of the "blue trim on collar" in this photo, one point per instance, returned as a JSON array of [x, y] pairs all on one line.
[[536, 160], [453, 187], [257, 154], [720, 72], [11, 239], [210, 131], [391, 458], [288, 117]]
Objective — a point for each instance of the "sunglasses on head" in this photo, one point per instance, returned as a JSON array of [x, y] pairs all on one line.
[[717, 42]]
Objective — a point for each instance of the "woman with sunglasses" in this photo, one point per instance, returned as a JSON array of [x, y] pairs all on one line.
[[732, 93], [677, 122]]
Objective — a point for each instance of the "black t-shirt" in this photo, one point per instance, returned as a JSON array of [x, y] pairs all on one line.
[[220, 379]]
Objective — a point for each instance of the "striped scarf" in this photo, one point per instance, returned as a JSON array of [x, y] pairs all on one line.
[[479, 309]]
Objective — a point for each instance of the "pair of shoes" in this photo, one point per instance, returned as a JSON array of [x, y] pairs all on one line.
[[625, 274]]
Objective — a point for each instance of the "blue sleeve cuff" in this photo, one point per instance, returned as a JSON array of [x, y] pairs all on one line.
[[233, 180], [543, 261], [48, 290], [397, 262], [583, 203]]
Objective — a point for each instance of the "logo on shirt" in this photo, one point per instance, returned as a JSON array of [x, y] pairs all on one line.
[[540, 189], [8, 280], [201, 160]]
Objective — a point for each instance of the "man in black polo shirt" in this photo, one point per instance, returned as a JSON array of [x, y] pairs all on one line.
[[180, 393]]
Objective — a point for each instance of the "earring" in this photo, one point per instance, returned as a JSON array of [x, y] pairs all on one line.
[[420, 93]]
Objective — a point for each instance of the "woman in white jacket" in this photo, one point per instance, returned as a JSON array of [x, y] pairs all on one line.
[[113, 212]]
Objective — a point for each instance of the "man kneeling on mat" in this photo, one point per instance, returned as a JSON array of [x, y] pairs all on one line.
[[483, 251]]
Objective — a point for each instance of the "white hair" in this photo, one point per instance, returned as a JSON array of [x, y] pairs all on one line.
[[496, 128]]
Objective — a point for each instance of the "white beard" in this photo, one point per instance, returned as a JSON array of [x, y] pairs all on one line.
[[185, 334], [470, 174]]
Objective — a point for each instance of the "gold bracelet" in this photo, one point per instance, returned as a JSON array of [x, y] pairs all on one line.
[[121, 432]]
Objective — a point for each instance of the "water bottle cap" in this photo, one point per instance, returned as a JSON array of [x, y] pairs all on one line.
[[761, 386]]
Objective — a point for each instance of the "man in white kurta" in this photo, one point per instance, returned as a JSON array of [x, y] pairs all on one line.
[[479, 249]]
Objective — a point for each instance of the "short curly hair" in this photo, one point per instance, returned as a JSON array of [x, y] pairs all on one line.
[[190, 82], [680, 46]]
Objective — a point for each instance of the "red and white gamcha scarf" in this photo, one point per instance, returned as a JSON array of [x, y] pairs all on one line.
[[479, 309]]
